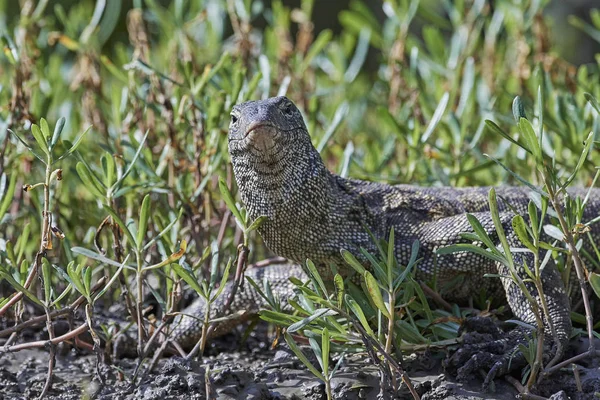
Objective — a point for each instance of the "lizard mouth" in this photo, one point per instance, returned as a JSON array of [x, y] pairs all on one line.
[[261, 136], [257, 126]]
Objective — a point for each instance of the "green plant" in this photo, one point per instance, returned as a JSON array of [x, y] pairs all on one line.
[[535, 232], [402, 96]]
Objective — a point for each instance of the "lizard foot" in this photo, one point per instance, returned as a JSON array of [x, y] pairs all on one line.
[[485, 346]]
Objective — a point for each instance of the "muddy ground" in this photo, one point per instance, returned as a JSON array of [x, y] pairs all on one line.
[[253, 371]]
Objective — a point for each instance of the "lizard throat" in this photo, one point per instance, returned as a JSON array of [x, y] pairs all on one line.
[[292, 188]]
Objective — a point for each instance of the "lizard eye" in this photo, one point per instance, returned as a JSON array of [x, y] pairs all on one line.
[[288, 110], [234, 119]]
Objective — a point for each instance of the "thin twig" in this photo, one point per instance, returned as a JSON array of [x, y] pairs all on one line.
[[579, 269], [42, 343], [392, 362], [64, 311], [166, 321], [51, 358], [522, 390], [239, 275], [243, 252], [564, 363]]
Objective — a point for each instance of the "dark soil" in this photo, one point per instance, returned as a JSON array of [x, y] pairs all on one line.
[[252, 371]]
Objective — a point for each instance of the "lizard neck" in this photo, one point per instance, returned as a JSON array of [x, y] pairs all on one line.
[[292, 187]]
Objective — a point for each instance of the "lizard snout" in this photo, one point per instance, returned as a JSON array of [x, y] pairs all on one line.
[[261, 135]]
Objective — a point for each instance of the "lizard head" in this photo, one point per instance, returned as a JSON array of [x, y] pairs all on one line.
[[261, 129], [272, 156]]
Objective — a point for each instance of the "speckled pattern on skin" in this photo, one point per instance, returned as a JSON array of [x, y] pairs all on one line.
[[313, 213]]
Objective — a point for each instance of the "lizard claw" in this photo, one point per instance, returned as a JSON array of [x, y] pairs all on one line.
[[489, 348]]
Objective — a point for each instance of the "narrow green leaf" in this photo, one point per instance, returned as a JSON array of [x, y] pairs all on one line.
[[171, 259], [496, 129], [259, 289], [223, 282], [63, 274], [119, 181], [18, 287], [257, 223], [493, 202], [321, 312], [530, 138], [533, 217], [375, 293], [24, 143], [95, 256], [90, 181], [339, 286], [437, 116], [75, 144], [480, 231], [390, 256], [7, 193], [353, 262], [143, 223], [47, 279], [209, 73], [338, 117], [74, 273], [294, 347], [277, 318], [325, 343], [108, 168], [22, 242], [457, 248], [318, 45], [314, 274], [317, 351], [60, 124], [540, 113], [554, 232], [358, 312], [167, 229], [87, 280], [188, 277], [595, 283], [517, 176], [520, 229], [112, 280], [39, 138], [360, 55], [592, 100], [230, 202], [120, 222], [45, 129], [114, 70], [584, 26], [582, 157], [518, 109], [409, 332]]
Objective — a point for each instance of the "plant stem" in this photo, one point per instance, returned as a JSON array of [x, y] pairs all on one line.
[[390, 329], [33, 272], [328, 389], [140, 294], [44, 241], [579, 268]]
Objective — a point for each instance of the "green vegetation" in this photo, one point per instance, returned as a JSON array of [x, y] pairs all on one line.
[[133, 182]]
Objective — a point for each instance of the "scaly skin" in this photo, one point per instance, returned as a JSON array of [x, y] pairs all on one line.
[[313, 213]]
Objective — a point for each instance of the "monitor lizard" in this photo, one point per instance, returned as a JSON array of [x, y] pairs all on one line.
[[313, 214]]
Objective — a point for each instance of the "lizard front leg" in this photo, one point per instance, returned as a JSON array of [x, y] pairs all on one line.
[[497, 351]]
